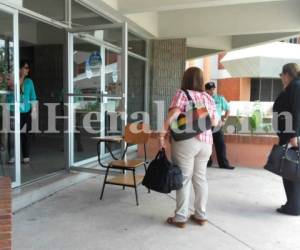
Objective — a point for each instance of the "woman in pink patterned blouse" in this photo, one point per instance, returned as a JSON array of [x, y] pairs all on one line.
[[191, 155]]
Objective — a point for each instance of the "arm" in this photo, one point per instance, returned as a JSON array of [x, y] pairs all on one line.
[[295, 108], [213, 116], [33, 101], [172, 115], [226, 115], [226, 108]]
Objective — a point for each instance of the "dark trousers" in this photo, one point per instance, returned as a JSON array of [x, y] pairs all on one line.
[[292, 191], [25, 120], [220, 147]]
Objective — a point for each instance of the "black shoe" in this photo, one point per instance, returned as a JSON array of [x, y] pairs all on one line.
[[228, 168], [284, 210]]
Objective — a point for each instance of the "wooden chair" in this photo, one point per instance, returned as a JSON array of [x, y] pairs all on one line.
[[134, 134]]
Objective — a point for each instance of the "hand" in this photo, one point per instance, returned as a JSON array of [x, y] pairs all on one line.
[[221, 123], [162, 142]]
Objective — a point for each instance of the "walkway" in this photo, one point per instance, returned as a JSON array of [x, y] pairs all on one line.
[[241, 217]]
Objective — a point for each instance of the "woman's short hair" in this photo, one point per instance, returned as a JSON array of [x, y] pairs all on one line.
[[292, 69], [193, 79]]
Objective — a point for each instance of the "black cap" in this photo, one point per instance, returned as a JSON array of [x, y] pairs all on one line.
[[210, 85]]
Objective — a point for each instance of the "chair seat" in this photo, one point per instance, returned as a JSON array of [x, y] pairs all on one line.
[[126, 180], [126, 163]]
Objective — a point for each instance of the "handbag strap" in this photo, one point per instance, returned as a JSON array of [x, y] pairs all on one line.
[[161, 153], [189, 97], [298, 150]]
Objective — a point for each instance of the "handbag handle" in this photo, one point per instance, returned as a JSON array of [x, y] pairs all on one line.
[[161, 153], [298, 152]]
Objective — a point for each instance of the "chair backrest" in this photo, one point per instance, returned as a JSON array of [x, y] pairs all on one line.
[[137, 133]]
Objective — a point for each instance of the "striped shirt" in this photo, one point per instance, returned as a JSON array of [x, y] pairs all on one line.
[[181, 102]]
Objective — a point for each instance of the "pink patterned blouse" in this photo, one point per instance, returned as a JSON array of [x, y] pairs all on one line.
[[181, 101]]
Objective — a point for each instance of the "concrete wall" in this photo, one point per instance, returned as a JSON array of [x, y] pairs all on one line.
[[233, 89], [168, 65]]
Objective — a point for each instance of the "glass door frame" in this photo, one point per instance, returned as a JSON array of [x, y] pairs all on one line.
[[72, 33], [17, 166]]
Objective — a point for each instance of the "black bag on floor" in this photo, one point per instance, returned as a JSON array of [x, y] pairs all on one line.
[[162, 176], [285, 162]]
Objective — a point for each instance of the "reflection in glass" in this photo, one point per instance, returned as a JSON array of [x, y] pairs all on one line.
[[136, 88], [113, 120], [113, 84], [7, 165], [86, 126], [87, 67], [44, 51], [87, 79], [136, 44], [82, 16], [54, 9]]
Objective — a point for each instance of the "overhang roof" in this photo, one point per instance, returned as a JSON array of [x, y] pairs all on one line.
[[263, 61], [209, 26]]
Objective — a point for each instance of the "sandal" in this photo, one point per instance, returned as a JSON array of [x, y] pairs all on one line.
[[200, 222], [171, 221]]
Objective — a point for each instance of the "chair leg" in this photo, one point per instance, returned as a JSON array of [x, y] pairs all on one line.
[[104, 182], [135, 188], [123, 173], [145, 173]]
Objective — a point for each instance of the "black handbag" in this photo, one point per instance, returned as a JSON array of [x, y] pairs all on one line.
[[191, 123], [162, 176], [285, 162]]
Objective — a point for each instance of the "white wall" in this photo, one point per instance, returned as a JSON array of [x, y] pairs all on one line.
[[13, 2]]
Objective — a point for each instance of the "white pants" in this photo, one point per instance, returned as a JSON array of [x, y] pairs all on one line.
[[191, 156]]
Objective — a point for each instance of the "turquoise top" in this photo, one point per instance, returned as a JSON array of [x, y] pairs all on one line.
[[221, 104], [27, 96]]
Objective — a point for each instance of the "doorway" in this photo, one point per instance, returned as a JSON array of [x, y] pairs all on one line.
[[97, 88], [42, 47]]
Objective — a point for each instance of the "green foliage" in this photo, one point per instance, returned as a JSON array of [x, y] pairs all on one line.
[[3, 69], [238, 121], [255, 120], [92, 106]]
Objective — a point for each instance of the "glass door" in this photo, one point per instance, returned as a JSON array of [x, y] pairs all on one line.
[[9, 96], [97, 88]]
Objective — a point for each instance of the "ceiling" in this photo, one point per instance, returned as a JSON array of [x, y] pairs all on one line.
[[210, 25]]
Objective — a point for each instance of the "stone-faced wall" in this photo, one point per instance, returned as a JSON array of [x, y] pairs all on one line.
[[168, 58]]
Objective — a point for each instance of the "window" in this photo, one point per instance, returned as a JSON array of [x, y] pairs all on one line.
[[136, 44], [54, 9], [136, 87], [82, 16], [265, 89]]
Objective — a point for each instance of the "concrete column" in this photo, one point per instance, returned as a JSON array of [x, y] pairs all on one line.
[[167, 67]]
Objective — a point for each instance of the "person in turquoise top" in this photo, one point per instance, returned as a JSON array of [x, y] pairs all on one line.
[[218, 136], [28, 109]]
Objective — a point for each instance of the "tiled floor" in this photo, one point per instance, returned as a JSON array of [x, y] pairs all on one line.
[[241, 213]]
